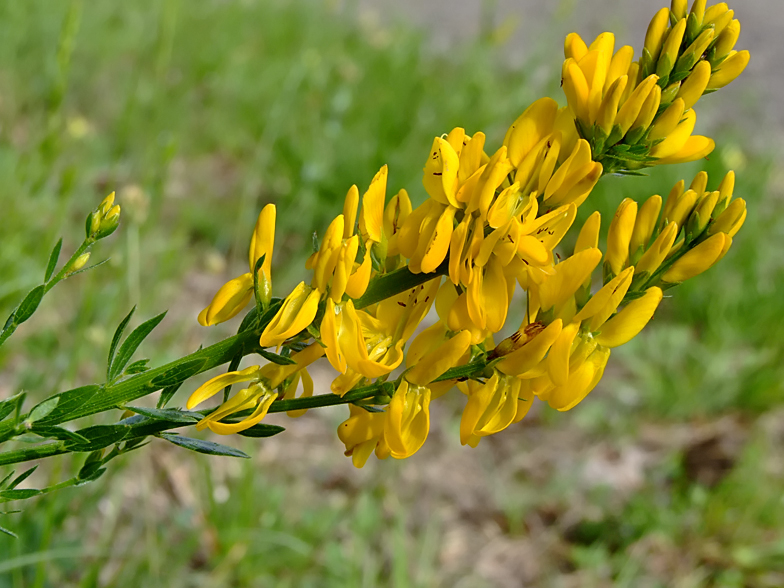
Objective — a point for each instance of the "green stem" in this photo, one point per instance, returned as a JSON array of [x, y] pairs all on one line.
[[39, 452], [12, 324]]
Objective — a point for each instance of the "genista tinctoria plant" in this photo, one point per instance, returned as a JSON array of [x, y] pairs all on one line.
[[493, 218]]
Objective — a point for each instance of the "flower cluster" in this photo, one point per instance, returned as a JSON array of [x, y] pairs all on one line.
[[493, 221]]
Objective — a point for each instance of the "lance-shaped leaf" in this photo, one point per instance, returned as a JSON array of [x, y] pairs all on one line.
[[116, 341], [275, 358], [69, 401], [53, 257], [30, 304], [59, 433], [21, 478], [99, 436], [9, 405], [129, 346], [202, 446], [167, 393], [167, 414], [18, 494], [42, 410], [262, 430]]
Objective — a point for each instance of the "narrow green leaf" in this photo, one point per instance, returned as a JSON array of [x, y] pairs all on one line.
[[116, 341], [41, 411], [99, 436], [131, 344], [94, 475], [9, 405], [53, 257], [89, 468], [275, 358], [178, 374], [30, 304], [89, 267], [261, 430], [59, 433], [202, 446], [167, 414], [167, 393], [21, 478], [7, 532], [70, 400], [368, 407], [18, 494], [137, 367], [5, 480]]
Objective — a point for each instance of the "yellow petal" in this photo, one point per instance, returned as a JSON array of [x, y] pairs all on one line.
[[558, 357], [658, 251], [328, 254], [676, 140], [694, 86], [360, 279], [436, 247], [603, 304], [580, 382], [575, 47], [350, 211], [232, 297], [263, 240], [440, 173], [297, 312], [255, 418], [330, 328], [656, 29], [408, 420], [570, 274], [697, 260], [730, 69], [307, 391], [644, 224], [619, 236], [218, 383], [434, 363], [589, 233], [625, 325], [373, 206], [668, 120], [529, 128], [343, 267], [631, 108], [532, 352], [575, 86], [696, 147]]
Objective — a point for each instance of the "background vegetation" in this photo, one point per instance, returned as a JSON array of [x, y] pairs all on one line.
[[670, 474]]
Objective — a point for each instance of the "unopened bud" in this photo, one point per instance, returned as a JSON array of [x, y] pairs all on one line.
[[109, 223], [80, 262]]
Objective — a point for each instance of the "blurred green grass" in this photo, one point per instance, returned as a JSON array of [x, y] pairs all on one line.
[[198, 114]]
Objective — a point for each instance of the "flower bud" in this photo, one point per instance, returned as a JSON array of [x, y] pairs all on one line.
[[79, 262], [697, 260]]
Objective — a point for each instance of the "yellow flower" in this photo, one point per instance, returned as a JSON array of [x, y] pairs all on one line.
[[297, 312], [697, 260], [258, 396], [625, 325], [235, 294], [362, 433], [369, 343], [491, 407], [408, 420]]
